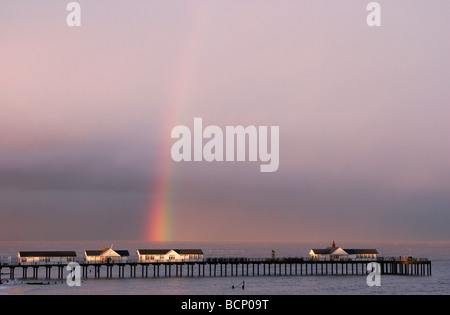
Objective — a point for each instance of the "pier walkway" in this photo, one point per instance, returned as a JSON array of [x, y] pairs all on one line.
[[217, 267]]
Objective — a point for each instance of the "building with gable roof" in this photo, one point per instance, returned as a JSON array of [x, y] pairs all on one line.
[[52, 257], [338, 253], [106, 255], [149, 255]]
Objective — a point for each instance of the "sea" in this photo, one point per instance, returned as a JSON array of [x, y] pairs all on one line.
[[436, 284]]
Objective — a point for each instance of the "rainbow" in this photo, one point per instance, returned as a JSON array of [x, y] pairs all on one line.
[[159, 222]]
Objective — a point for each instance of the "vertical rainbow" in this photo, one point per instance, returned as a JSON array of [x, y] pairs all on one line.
[[159, 221]]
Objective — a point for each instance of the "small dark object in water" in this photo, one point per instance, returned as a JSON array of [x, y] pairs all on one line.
[[243, 286], [38, 283]]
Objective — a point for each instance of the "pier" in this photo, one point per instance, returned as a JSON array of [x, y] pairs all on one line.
[[217, 267]]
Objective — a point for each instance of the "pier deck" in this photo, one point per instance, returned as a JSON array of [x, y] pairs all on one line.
[[218, 267]]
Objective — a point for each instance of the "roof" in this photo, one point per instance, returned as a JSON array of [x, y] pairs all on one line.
[[153, 251], [123, 253], [189, 251], [48, 254], [166, 251], [330, 251]]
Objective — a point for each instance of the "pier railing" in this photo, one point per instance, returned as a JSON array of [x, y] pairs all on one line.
[[6, 262]]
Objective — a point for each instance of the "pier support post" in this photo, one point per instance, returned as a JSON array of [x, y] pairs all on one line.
[[388, 267]]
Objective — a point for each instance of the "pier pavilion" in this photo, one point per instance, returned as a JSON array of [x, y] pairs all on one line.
[[339, 253]]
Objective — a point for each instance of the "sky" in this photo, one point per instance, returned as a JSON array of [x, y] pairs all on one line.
[[86, 115]]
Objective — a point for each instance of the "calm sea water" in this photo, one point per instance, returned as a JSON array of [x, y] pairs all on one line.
[[437, 284]]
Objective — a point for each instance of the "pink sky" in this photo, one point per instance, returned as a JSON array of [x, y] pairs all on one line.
[[363, 115]]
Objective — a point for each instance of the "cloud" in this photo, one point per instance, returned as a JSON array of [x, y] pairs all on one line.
[[85, 116]]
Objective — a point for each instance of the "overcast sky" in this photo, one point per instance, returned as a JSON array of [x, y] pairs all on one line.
[[364, 116]]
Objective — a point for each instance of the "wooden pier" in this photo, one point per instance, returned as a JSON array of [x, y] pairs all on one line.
[[219, 267]]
